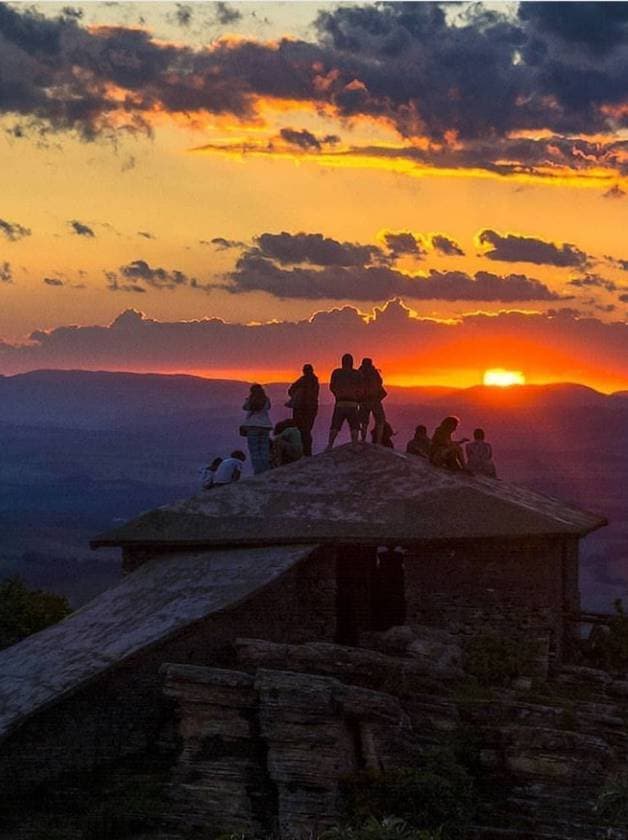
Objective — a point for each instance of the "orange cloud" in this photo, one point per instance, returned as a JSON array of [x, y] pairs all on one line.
[[556, 346]]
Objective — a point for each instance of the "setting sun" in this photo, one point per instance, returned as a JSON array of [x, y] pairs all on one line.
[[503, 378]]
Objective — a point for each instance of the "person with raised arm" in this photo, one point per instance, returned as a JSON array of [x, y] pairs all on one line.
[[444, 451], [256, 428]]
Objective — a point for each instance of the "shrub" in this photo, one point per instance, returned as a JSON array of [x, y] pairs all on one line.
[[389, 828], [612, 802], [610, 650], [25, 611], [497, 660], [437, 796]]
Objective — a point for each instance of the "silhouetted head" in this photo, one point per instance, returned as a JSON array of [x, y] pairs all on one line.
[[308, 370], [257, 398], [367, 363], [347, 360], [420, 431], [239, 454], [478, 434], [450, 424]]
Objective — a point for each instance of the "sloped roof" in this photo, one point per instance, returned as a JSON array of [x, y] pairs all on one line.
[[355, 493], [149, 606]]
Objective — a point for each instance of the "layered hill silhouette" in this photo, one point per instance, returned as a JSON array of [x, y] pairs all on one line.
[[102, 399]]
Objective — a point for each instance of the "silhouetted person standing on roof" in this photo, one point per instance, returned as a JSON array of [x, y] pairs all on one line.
[[304, 401], [256, 428], [347, 386], [371, 402]]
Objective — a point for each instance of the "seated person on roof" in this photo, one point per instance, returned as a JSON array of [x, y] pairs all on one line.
[[445, 452], [287, 444], [480, 455], [420, 443]]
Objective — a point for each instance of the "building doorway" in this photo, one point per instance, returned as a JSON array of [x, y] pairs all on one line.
[[370, 592]]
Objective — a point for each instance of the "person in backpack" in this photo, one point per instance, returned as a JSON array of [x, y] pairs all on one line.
[[347, 386], [371, 402], [256, 428], [304, 403]]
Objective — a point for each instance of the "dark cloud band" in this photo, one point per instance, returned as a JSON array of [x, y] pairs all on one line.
[[254, 272], [138, 276], [314, 248], [511, 247], [564, 343], [468, 85]]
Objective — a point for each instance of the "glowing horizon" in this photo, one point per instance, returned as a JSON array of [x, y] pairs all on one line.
[[501, 378], [282, 376]]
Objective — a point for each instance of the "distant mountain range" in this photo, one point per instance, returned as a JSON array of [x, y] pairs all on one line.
[[81, 450], [100, 399]]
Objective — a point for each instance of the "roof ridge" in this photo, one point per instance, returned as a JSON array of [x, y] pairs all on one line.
[[353, 493]]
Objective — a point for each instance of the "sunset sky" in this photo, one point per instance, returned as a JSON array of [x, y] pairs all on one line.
[[232, 189]]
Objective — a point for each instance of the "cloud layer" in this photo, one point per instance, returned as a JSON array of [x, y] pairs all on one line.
[[556, 345], [473, 88], [513, 248], [13, 231], [81, 229], [310, 266], [138, 276], [377, 283]]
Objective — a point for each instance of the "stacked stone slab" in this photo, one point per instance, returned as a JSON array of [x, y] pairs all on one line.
[[269, 752], [267, 748]]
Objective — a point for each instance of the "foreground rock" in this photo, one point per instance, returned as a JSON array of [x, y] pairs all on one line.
[[266, 748], [271, 749]]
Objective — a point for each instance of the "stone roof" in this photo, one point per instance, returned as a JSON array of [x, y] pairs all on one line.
[[355, 493], [149, 606]]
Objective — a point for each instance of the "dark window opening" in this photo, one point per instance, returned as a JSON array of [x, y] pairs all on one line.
[[388, 597], [370, 593]]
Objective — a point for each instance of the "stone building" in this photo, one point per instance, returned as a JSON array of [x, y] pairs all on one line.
[[390, 540], [326, 551]]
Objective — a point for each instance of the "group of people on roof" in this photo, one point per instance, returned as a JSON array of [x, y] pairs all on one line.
[[359, 394], [443, 451]]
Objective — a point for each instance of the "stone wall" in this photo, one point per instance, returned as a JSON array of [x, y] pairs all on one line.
[[461, 589], [123, 713], [491, 586]]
